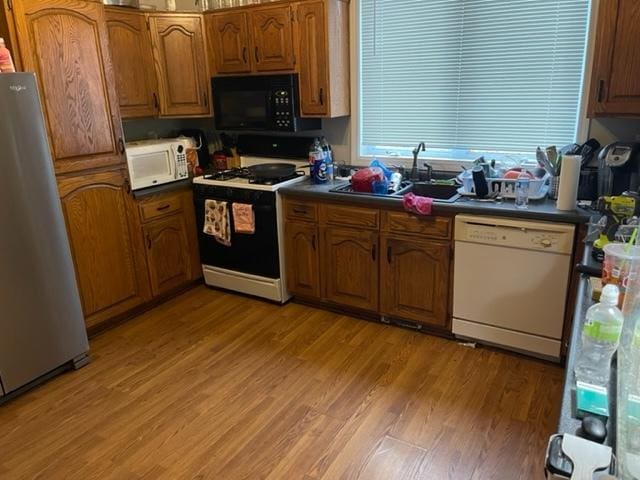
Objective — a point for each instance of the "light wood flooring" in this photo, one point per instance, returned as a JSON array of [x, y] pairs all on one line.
[[216, 386]]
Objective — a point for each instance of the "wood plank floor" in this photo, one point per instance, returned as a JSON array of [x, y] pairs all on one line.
[[217, 386]]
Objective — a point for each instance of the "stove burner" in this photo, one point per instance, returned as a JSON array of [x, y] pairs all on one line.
[[245, 173], [226, 175]]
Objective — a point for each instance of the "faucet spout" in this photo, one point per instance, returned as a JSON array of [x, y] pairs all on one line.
[[414, 169]]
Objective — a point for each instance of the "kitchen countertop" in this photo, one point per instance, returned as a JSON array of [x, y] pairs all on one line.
[[164, 188], [544, 210], [568, 422]]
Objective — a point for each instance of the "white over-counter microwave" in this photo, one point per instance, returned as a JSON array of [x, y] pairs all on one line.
[[155, 162]]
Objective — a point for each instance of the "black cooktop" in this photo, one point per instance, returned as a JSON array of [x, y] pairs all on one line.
[[245, 173]]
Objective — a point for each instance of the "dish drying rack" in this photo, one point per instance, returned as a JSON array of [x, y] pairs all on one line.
[[506, 188]]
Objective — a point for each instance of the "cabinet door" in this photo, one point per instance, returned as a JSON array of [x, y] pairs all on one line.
[[65, 43], [615, 84], [105, 242], [415, 280], [272, 34], [303, 265], [168, 256], [229, 38], [311, 37], [351, 267], [181, 64], [131, 55]]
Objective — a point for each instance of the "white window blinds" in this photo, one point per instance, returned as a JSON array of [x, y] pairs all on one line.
[[471, 75]]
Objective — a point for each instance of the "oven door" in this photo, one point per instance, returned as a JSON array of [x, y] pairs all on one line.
[[255, 254], [149, 167]]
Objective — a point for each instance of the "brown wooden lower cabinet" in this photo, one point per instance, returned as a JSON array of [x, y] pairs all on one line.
[[169, 231], [167, 254], [107, 248], [350, 267], [126, 252], [414, 279], [379, 261], [302, 244]]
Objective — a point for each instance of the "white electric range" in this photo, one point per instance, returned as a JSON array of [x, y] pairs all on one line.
[[254, 263]]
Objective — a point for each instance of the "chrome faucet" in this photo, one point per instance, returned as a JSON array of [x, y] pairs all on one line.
[[414, 177]]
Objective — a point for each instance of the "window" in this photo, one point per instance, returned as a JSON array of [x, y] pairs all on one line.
[[470, 77]]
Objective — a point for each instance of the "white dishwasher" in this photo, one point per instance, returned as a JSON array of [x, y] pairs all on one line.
[[510, 282]]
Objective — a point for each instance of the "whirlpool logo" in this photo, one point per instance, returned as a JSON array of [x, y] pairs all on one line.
[[17, 88]]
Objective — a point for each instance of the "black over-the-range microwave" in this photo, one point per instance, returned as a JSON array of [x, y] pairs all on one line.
[[262, 102]]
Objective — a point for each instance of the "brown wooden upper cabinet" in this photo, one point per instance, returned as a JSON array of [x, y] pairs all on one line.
[[66, 43], [181, 64], [230, 43], [105, 243], [310, 38], [615, 83], [272, 33], [322, 39], [130, 47], [259, 40]]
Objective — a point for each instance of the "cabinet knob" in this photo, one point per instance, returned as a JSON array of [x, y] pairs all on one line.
[[255, 53], [374, 252], [121, 145], [321, 96], [313, 242], [156, 103], [389, 254], [244, 54]]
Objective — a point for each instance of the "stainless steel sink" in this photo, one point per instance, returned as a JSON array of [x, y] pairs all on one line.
[[405, 187], [440, 193]]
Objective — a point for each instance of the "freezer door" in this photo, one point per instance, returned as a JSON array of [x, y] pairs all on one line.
[[41, 321]]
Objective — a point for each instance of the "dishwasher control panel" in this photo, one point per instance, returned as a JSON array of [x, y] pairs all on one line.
[[504, 232]]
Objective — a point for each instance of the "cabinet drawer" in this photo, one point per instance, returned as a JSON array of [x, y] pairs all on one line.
[[158, 208], [301, 211], [400, 222], [351, 216]]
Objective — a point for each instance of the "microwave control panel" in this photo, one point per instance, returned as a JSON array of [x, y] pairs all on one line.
[[182, 170], [282, 110]]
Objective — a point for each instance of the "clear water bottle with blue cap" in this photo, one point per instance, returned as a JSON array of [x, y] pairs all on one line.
[[522, 189]]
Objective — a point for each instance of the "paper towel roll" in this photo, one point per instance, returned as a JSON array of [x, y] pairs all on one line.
[[569, 178]]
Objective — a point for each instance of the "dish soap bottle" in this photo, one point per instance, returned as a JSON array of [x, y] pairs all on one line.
[[600, 338]]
